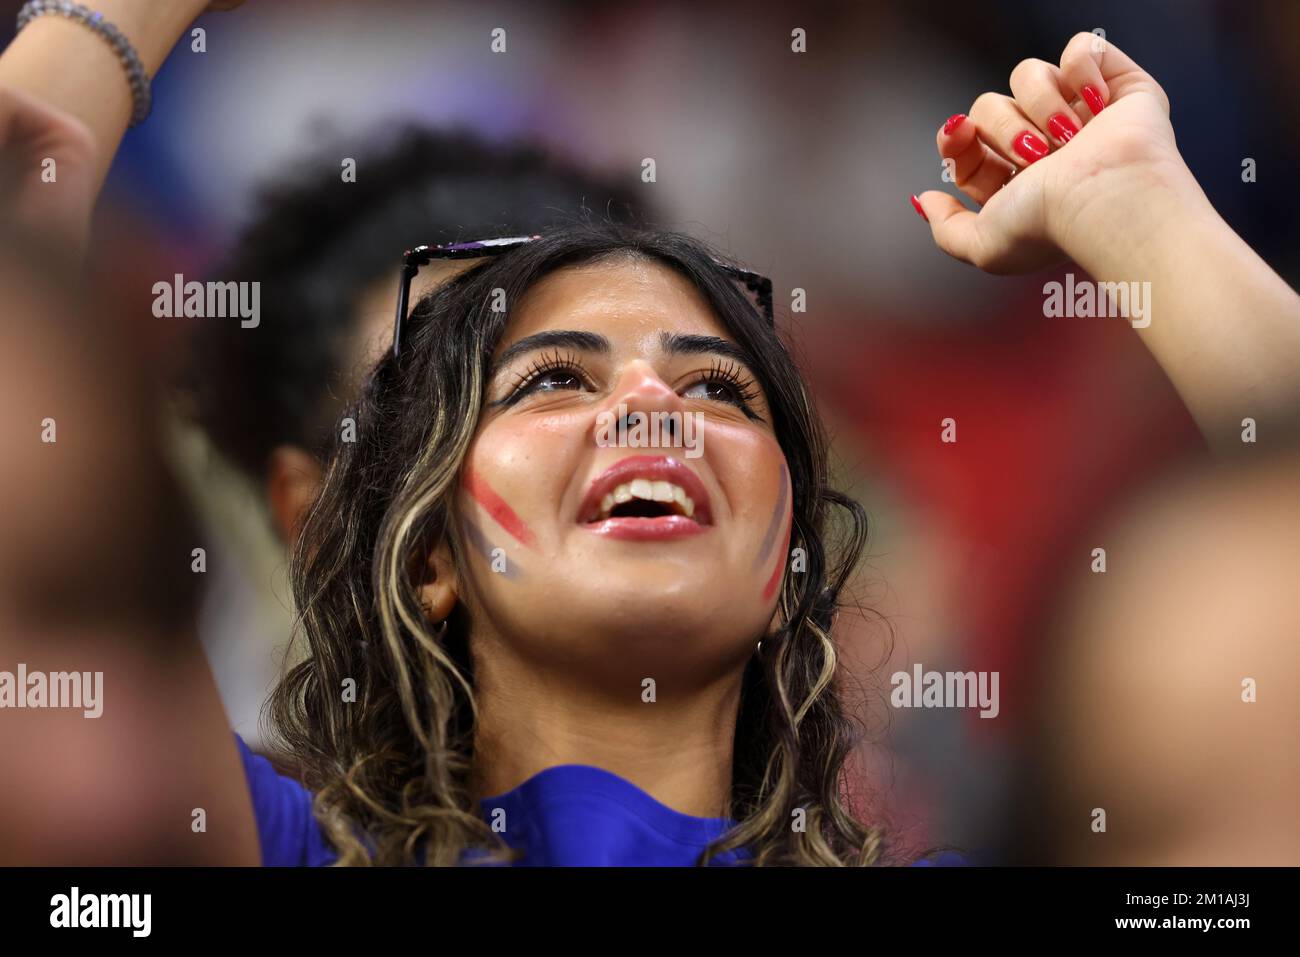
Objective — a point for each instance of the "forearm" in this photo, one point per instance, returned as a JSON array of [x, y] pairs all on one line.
[[69, 67], [1223, 325]]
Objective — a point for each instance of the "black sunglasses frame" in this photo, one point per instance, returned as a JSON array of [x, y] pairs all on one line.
[[413, 259]]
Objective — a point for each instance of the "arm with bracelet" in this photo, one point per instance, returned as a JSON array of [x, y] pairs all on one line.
[[73, 79], [77, 75]]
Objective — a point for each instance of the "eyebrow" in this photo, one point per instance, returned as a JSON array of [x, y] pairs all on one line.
[[572, 338], [675, 344]]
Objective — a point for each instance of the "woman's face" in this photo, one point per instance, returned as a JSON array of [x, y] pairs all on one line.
[[660, 557]]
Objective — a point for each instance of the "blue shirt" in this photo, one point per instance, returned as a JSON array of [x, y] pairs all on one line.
[[572, 815]]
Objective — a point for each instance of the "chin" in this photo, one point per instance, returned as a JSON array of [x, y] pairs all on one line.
[[680, 611]]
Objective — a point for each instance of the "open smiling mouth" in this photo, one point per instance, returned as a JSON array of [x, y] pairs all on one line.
[[647, 497], [642, 498]]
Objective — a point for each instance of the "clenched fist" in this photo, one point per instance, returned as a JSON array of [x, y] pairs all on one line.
[[1074, 149]]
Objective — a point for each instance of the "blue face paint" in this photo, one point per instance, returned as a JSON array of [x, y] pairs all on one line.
[[774, 526], [479, 542]]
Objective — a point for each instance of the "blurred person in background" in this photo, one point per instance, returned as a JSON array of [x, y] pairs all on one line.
[[1166, 694], [96, 588]]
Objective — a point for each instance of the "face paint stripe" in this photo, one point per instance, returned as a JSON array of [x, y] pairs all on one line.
[[479, 541], [769, 538], [496, 507], [770, 588]]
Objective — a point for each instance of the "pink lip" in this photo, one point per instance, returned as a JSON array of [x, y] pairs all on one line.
[[652, 467], [647, 529]]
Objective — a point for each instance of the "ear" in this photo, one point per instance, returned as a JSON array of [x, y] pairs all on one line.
[[293, 479], [441, 588]]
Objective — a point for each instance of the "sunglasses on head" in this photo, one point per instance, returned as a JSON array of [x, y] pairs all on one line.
[[758, 285]]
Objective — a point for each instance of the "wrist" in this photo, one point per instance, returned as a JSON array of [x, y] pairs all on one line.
[[1123, 222], [152, 27], [76, 71]]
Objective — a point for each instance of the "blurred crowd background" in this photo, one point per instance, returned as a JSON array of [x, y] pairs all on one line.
[[799, 165]]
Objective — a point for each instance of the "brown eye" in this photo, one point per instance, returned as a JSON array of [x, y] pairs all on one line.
[[554, 381], [726, 382], [553, 373], [718, 391]]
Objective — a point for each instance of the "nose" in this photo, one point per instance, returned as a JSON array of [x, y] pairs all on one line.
[[641, 392]]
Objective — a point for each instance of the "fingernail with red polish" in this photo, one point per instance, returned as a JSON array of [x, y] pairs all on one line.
[[1030, 147], [953, 122], [1062, 127], [916, 204], [1093, 99]]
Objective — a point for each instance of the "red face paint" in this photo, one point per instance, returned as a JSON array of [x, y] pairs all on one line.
[[770, 588], [496, 506]]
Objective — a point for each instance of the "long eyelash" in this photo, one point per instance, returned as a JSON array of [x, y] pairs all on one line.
[[730, 373], [544, 363], [727, 372]]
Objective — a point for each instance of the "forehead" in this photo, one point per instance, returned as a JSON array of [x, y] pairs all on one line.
[[629, 301]]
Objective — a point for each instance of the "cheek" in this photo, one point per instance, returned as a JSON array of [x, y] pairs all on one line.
[[752, 470], [495, 507], [512, 485], [776, 538]]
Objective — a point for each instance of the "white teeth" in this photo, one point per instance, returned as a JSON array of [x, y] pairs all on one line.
[[650, 491]]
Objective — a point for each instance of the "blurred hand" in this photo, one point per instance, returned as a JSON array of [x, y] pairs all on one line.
[[1076, 150], [46, 171]]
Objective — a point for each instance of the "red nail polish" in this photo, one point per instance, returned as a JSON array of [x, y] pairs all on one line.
[[1030, 147], [953, 122], [1062, 127], [1093, 99], [916, 204]]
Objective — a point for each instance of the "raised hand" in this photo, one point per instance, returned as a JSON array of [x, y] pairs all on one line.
[[1051, 163]]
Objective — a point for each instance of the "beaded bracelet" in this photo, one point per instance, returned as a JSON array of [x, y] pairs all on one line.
[[141, 97]]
